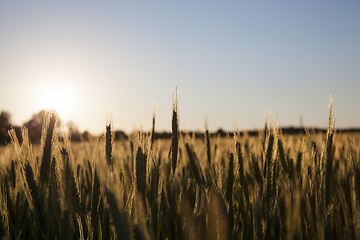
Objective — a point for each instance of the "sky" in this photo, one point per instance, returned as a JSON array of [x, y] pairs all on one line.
[[233, 61]]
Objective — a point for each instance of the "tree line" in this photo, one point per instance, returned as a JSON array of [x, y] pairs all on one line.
[[34, 126]]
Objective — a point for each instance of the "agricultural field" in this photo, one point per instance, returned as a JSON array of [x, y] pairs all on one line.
[[270, 186]]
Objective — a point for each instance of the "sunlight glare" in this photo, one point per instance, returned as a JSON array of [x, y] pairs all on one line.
[[58, 97]]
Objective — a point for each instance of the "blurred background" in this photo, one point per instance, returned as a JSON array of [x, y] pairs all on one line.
[[96, 61]]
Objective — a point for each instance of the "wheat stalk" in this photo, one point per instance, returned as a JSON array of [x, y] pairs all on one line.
[[120, 225], [109, 145], [46, 159], [175, 131], [37, 201]]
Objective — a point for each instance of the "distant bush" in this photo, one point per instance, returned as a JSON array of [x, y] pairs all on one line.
[[5, 125]]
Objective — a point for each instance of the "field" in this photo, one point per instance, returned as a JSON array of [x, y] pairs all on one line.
[[272, 186]]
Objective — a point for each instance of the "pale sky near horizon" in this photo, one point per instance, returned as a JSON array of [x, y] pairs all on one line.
[[231, 60]]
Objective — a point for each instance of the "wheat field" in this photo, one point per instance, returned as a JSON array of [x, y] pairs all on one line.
[[271, 186]]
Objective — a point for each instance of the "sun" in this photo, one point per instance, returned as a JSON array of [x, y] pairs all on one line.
[[57, 96], [56, 99]]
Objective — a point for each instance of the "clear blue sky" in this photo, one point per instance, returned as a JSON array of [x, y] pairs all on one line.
[[231, 60]]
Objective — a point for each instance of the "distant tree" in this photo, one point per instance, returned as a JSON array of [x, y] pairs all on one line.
[[86, 136], [220, 133], [34, 125], [5, 125], [120, 135], [74, 131]]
